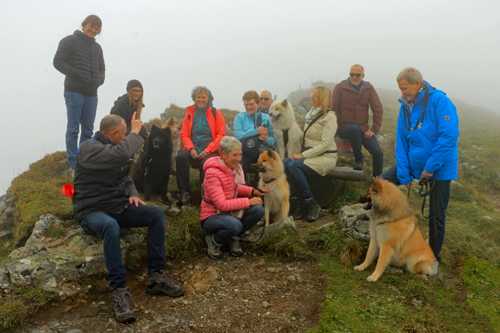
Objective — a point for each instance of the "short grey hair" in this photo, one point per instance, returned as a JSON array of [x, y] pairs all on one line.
[[111, 122], [199, 90], [410, 74], [267, 91], [362, 68], [229, 143]]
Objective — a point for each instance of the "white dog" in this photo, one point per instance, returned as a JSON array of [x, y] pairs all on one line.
[[286, 131]]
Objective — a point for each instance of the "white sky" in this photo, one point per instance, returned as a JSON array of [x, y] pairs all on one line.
[[232, 47]]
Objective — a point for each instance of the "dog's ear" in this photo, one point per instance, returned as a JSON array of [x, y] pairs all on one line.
[[167, 131], [170, 121], [284, 103], [376, 184], [261, 151], [270, 152], [154, 128]]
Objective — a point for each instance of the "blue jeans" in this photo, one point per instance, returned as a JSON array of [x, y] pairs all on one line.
[[353, 133], [225, 227], [108, 226], [438, 203], [297, 173], [81, 111]]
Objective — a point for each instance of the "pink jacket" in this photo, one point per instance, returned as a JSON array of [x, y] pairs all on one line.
[[219, 188]]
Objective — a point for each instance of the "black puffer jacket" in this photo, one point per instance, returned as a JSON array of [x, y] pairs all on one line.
[[101, 175], [124, 109], [80, 58]]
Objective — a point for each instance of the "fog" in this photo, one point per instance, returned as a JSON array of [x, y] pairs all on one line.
[[232, 47]]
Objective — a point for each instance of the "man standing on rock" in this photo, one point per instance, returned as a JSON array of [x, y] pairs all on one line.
[[266, 99], [106, 200], [351, 99]]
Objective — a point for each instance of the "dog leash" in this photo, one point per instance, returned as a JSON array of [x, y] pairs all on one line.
[[263, 227], [423, 192]]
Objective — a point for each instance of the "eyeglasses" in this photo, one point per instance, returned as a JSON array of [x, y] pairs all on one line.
[[264, 99], [249, 104], [137, 90], [354, 74]]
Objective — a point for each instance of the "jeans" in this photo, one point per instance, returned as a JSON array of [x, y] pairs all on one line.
[[108, 226], [438, 203], [353, 133], [183, 160], [225, 227], [80, 110], [297, 173]]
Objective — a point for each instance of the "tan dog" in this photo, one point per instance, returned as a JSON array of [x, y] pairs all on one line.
[[285, 127], [394, 234], [175, 128], [272, 175]]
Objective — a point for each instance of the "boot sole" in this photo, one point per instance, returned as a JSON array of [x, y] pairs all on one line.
[[127, 319], [178, 293]]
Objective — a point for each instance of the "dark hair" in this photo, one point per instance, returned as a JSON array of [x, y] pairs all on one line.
[[111, 122], [94, 20]]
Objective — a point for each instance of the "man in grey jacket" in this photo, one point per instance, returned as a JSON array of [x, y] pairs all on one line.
[[106, 200]]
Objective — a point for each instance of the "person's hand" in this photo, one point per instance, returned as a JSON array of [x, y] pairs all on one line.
[[203, 154], [264, 192], [136, 124], [136, 201], [426, 175], [263, 137], [262, 130], [255, 201], [194, 154], [369, 134], [408, 186], [297, 157]]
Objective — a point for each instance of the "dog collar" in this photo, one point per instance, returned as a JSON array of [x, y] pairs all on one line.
[[270, 180]]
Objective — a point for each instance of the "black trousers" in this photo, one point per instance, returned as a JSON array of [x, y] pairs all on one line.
[[183, 160]]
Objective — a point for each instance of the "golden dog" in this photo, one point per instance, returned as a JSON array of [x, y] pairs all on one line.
[[272, 175], [394, 234], [175, 128]]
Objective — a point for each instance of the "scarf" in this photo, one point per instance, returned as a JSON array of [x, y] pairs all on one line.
[[239, 176], [313, 113]]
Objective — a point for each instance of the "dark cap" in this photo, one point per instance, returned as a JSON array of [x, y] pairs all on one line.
[[133, 84]]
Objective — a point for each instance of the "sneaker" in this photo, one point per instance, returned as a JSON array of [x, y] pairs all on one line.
[[312, 210], [435, 268], [161, 283], [123, 308], [358, 165], [212, 249], [299, 207], [235, 248]]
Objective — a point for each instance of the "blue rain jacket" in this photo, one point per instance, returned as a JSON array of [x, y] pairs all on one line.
[[244, 126], [433, 146]]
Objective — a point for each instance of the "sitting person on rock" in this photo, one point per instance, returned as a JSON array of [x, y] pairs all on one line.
[[224, 195], [106, 201], [202, 129], [318, 158]]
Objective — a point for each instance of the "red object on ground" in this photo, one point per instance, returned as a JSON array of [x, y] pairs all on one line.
[[68, 190]]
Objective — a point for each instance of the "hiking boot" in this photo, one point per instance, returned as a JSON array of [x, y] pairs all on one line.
[[213, 250], [312, 210], [235, 248], [299, 207], [161, 283], [435, 268], [184, 197], [358, 165], [123, 308]]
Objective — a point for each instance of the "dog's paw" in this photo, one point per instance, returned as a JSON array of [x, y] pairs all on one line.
[[360, 268], [372, 278]]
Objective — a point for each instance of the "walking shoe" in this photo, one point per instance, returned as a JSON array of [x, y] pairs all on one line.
[[184, 197], [358, 165], [235, 248], [212, 249], [161, 283], [299, 207], [435, 268], [312, 210], [123, 308]]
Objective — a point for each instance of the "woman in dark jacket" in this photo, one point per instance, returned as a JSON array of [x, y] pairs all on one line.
[[131, 102], [80, 58]]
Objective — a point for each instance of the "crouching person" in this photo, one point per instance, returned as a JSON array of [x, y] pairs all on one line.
[[224, 198], [106, 201]]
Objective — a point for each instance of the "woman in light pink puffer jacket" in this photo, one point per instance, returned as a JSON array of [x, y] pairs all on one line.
[[222, 175]]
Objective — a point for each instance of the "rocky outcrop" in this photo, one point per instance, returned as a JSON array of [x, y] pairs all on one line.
[[355, 221], [58, 264], [7, 207], [272, 228]]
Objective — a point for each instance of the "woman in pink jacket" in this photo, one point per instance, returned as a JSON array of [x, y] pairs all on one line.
[[223, 179]]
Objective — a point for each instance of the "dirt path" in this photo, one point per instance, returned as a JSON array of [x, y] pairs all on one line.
[[251, 294]]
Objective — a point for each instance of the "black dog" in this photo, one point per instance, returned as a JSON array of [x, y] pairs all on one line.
[[155, 164]]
